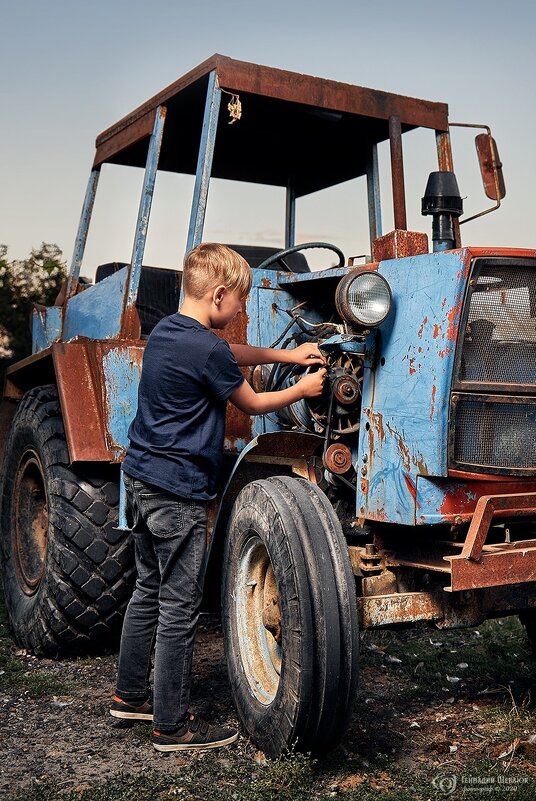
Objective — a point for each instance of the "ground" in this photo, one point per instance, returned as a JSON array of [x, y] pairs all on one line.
[[438, 715]]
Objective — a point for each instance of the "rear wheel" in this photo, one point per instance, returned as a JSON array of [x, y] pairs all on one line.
[[67, 569], [284, 542]]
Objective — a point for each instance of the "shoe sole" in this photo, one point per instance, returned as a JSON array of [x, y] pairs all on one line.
[[196, 746], [115, 713]]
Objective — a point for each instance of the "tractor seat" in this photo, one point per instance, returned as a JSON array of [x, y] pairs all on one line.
[[158, 293], [159, 290]]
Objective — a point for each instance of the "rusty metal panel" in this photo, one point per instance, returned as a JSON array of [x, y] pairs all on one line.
[[486, 509], [407, 607], [399, 244], [405, 395], [397, 173], [454, 499], [298, 88], [506, 564], [97, 385], [81, 401], [123, 137], [305, 90]]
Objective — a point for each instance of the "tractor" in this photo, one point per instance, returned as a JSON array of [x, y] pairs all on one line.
[[405, 493]]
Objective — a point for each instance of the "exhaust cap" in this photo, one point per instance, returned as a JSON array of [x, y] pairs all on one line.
[[442, 195]]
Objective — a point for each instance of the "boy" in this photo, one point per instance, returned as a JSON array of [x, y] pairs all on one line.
[[170, 472]]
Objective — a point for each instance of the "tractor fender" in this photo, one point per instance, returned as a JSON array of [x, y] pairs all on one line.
[[97, 384], [277, 453]]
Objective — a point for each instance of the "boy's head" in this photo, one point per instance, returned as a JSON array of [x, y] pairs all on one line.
[[209, 265]]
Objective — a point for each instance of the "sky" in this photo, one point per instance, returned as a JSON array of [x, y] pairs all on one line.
[[71, 68]]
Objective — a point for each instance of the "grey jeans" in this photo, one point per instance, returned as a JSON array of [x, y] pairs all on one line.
[[170, 542]]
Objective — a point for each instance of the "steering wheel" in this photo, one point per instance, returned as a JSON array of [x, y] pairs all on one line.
[[280, 255]]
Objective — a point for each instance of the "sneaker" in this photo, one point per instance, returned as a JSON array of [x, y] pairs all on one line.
[[195, 734], [129, 711]]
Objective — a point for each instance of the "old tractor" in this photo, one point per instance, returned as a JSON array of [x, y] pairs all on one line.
[[406, 493]]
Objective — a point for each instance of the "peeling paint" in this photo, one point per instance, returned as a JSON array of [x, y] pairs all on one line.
[[421, 329], [453, 318], [412, 489]]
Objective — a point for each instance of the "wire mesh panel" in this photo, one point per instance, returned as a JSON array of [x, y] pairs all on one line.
[[494, 432], [499, 338]]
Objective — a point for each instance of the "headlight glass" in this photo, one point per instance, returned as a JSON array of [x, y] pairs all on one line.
[[364, 299]]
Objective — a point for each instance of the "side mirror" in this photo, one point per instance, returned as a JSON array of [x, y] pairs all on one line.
[[490, 166]]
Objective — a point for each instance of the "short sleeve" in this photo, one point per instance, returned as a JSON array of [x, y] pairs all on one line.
[[221, 373]]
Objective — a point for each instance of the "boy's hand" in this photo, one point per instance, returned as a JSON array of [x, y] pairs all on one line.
[[312, 384], [307, 354]]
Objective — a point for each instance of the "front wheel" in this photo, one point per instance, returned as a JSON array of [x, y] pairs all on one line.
[[290, 617]]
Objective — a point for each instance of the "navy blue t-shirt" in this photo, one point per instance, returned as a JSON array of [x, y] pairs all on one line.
[[176, 438]]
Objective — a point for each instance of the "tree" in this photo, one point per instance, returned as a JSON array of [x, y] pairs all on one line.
[[36, 279]]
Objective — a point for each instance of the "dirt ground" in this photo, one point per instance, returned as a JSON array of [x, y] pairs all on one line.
[[433, 707]]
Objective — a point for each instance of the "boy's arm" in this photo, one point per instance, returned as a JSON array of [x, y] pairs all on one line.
[[251, 402], [248, 355]]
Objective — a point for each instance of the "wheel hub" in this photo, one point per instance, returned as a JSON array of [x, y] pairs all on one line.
[[29, 522], [259, 620]]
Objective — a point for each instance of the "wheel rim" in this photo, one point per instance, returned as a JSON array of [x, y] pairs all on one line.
[[258, 619], [29, 522]]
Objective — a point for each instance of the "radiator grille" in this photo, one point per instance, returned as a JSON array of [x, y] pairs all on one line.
[[495, 433], [499, 344]]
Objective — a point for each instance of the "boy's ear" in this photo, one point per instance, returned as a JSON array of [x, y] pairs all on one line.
[[219, 292]]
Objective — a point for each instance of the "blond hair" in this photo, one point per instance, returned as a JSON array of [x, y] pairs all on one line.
[[210, 264]]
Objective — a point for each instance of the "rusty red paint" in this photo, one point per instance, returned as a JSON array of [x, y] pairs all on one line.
[[80, 380], [412, 369], [376, 419], [240, 76], [514, 564], [389, 609], [461, 498], [453, 319], [445, 352], [488, 507], [432, 407], [437, 329], [399, 244], [397, 173], [130, 323], [421, 329], [411, 487], [402, 447]]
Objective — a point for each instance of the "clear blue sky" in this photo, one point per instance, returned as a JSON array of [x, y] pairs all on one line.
[[70, 68]]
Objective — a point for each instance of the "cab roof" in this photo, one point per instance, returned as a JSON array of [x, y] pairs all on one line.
[[294, 128]]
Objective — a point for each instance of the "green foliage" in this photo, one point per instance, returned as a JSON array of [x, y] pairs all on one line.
[[36, 279]]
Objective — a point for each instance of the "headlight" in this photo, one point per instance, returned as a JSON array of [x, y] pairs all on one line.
[[363, 298]]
